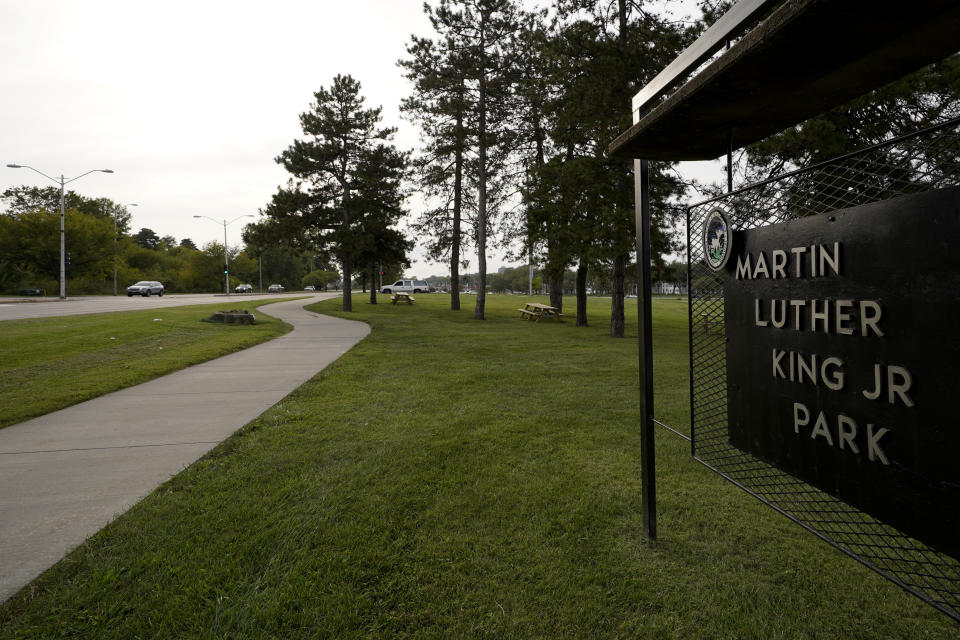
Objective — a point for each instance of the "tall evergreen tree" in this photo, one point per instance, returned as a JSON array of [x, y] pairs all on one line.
[[328, 169], [378, 199], [603, 51], [533, 90], [475, 37], [439, 106]]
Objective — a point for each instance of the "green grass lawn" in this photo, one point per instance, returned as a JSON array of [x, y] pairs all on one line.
[[51, 363], [450, 478]]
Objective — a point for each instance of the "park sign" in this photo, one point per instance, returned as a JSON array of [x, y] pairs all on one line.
[[842, 339]]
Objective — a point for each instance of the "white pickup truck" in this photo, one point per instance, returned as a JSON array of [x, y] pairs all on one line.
[[406, 286]]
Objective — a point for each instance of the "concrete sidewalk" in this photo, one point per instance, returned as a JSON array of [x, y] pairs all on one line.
[[65, 475]]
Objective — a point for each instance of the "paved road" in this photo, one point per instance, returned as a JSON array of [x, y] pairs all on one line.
[[67, 474], [21, 308]]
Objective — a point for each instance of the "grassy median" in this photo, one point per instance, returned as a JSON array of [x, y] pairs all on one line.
[[51, 363], [450, 478]]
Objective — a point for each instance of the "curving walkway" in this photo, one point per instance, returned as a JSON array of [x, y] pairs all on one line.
[[65, 475]]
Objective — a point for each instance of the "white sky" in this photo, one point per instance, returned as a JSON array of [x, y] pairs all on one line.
[[188, 102]]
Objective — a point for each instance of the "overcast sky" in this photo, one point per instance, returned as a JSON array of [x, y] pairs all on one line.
[[188, 102]]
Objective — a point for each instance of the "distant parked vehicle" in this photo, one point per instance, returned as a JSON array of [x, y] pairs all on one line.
[[309, 287], [145, 288], [275, 288], [244, 288], [32, 291], [406, 286]]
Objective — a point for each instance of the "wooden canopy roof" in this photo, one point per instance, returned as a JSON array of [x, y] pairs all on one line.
[[804, 58]]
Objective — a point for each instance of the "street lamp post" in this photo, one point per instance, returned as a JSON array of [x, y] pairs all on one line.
[[116, 240], [61, 181], [226, 254]]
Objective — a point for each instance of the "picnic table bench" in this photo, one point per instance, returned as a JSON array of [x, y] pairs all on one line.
[[397, 297], [711, 320], [536, 311]]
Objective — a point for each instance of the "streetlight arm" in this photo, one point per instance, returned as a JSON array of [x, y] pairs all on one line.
[[86, 174], [24, 166], [247, 215], [60, 180]]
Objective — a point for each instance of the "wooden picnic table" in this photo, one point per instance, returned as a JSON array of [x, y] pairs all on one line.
[[711, 320], [397, 297], [536, 311]]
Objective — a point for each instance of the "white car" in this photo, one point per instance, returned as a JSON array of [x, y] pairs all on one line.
[[406, 286], [145, 288]]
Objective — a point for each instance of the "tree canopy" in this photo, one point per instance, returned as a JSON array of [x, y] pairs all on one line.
[[344, 193]]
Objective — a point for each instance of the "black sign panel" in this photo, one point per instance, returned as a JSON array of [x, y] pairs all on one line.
[[843, 341]]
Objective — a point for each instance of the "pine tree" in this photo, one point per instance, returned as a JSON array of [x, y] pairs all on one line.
[[439, 106], [474, 48], [602, 51], [330, 194]]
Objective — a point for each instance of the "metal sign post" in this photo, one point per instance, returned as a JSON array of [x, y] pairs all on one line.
[[647, 450]]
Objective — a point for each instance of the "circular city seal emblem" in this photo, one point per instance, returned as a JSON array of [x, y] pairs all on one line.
[[717, 240]]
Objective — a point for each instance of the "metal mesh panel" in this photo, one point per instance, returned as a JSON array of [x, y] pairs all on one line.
[[927, 160]]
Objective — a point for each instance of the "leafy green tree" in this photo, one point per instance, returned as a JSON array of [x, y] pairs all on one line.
[[17, 200], [147, 238], [187, 243], [30, 241], [244, 267], [145, 261], [204, 269], [283, 256], [674, 273], [319, 278]]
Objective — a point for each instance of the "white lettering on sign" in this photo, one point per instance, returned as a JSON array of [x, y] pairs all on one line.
[[797, 367], [843, 317], [825, 316], [846, 429], [898, 381], [815, 261]]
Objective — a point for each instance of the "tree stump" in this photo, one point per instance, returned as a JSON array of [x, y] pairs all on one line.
[[234, 316]]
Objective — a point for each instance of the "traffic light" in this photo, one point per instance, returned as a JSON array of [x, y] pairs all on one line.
[[226, 269], [66, 258]]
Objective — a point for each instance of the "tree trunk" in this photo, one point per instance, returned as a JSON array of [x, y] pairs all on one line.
[[581, 294], [373, 282], [617, 321], [539, 138], [347, 266], [457, 205], [482, 171], [556, 291], [347, 283]]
